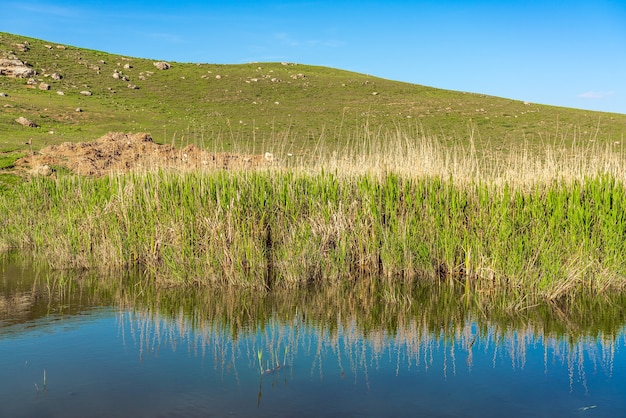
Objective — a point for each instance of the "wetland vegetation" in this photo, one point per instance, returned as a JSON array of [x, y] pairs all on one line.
[[547, 226]]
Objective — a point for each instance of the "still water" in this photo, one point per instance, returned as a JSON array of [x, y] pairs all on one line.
[[76, 346]]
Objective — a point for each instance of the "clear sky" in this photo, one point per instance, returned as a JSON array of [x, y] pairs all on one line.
[[564, 53]]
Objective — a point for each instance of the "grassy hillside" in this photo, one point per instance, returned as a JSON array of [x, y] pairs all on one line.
[[261, 106]]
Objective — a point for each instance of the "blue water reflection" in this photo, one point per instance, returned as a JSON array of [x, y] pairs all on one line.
[[121, 362], [75, 346]]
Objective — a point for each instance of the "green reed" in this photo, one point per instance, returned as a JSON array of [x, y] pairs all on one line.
[[286, 228]]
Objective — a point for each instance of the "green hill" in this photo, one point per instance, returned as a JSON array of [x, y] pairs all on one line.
[[257, 105]]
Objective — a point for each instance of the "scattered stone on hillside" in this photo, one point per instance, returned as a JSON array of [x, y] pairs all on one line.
[[22, 47], [86, 93], [162, 65], [15, 68], [25, 122], [56, 76], [44, 86]]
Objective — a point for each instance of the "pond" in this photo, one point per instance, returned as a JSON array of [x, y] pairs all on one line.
[[75, 345]]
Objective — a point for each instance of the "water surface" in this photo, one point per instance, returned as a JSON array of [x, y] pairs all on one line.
[[117, 347]]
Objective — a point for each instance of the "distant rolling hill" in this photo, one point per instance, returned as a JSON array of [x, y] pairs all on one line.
[[257, 105]]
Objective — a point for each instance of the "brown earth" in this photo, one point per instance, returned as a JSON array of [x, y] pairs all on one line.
[[119, 152]]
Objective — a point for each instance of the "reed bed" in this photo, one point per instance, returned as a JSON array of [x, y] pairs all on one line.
[[397, 206]]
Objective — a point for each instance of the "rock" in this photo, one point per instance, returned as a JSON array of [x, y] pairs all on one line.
[[44, 86], [23, 47], [25, 122], [162, 65], [15, 68], [86, 93], [42, 170]]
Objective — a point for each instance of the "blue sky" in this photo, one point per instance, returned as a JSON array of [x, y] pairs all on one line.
[[563, 53]]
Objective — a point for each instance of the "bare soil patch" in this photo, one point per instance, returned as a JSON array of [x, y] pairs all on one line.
[[120, 152]]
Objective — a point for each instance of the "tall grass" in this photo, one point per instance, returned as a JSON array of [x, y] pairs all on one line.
[[396, 205]]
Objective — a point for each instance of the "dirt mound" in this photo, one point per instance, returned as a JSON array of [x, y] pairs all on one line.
[[119, 152]]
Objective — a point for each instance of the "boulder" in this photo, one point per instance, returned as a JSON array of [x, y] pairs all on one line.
[[25, 122], [15, 68], [23, 47], [162, 65]]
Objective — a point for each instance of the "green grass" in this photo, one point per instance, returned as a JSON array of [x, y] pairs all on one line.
[[289, 227], [7, 160], [188, 103]]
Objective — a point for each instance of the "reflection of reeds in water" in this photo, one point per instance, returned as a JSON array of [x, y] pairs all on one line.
[[353, 328], [340, 335]]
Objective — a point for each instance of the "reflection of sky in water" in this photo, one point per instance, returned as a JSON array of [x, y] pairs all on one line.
[[107, 363]]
